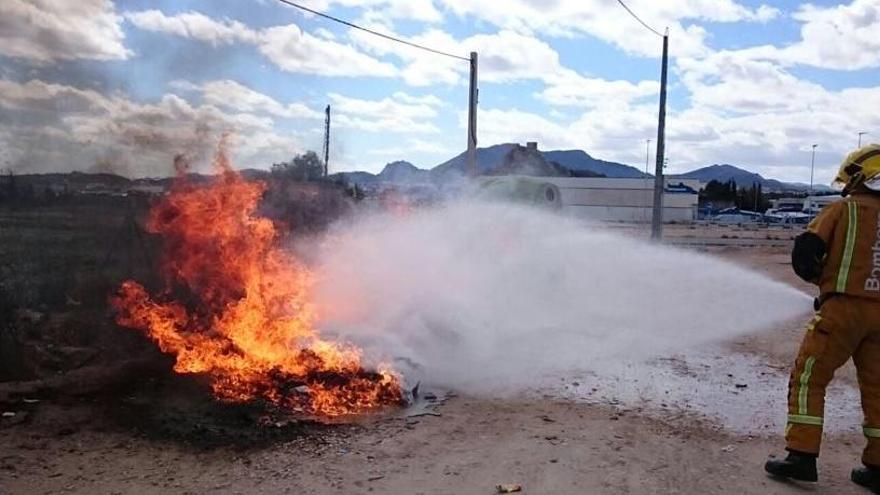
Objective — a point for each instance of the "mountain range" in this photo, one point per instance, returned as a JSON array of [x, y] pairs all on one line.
[[744, 178], [579, 162], [490, 161]]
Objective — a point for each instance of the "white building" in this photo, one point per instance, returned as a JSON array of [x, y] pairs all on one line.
[[814, 204], [626, 200], [810, 203]]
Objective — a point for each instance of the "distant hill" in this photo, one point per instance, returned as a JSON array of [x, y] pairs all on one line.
[[488, 159], [403, 172], [725, 173], [580, 161], [492, 157], [523, 160], [254, 174], [358, 177], [74, 179], [744, 178], [399, 172], [88, 182]]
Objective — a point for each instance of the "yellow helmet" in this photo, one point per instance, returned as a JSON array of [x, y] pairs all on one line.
[[861, 167]]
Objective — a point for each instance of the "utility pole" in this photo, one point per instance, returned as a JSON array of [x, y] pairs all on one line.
[[473, 100], [860, 138], [812, 167], [657, 220], [327, 143], [757, 193], [647, 176]]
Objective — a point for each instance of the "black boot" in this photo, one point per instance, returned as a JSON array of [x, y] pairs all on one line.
[[868, 477], [797, 466]]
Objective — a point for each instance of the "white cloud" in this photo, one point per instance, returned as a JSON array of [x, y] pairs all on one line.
[[509, 56], [614, 131], [607, 21], [325, 33], [194, 25], [505, 57], [288, 47], [426, 69], [422, 68], [513, 125], [295, 50], [414, 148], [750, 114], [742, 106], [399, 113], [235, 96], [842, 37], [414, 10], [431, 147], [762, 96], [732, 82], [44, 31], [774, 134], [58, 127], [399, 104], [570, 89], [747, 108]]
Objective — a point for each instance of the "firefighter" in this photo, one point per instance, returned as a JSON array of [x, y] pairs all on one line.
[[839, 252]]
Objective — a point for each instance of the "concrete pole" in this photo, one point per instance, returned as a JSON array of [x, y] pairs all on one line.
[[860, 138], [812, 167], [473, 100], [647, 176], [755, 185], [657, 220], [327, 143]]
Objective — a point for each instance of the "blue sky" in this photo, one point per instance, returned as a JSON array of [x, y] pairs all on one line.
[[124, 86]]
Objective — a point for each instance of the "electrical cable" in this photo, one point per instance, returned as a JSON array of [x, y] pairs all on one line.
[[643, 23], [376, 33]]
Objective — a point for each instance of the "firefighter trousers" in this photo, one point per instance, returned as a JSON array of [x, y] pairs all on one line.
[[843, 327]]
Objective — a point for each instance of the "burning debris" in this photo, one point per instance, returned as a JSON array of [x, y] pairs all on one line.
[[237, 308]]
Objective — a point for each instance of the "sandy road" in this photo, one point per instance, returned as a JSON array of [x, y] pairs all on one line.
[[547, 445]]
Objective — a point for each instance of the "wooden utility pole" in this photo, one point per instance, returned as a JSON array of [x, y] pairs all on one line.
[[659, 182], [327, 142], [473, 100]]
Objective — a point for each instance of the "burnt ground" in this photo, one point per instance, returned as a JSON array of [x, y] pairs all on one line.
[[149, 432]]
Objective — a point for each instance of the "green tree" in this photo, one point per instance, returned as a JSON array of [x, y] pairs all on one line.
[[752, 199], [357, 193], [719, 191], [303, 167]]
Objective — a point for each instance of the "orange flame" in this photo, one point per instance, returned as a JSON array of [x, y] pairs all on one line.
[[246, 319]]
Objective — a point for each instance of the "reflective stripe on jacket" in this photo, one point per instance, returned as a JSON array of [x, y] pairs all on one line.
[[850, 230]]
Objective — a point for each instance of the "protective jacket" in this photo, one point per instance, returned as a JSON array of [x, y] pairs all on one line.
[[849, 230], [841, 253]]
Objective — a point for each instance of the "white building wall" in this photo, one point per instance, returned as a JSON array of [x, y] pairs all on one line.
[[625, 200]]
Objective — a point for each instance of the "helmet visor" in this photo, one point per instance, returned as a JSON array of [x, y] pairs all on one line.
[[873, 183]]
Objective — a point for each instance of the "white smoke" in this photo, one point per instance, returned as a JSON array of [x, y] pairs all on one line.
[[481, 297]]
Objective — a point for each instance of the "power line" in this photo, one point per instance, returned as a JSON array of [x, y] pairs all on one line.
[[643, 23], [376, 33]]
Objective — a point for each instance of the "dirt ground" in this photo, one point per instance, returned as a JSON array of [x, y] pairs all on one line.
[[549, 446]]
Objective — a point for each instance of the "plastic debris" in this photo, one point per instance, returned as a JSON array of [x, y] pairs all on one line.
[[509, 488]]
